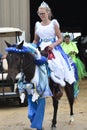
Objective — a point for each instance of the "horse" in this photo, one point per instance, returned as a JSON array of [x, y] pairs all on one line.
[[25, 62], [81, 42]]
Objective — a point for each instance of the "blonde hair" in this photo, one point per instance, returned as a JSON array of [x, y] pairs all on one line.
[[45, 6]]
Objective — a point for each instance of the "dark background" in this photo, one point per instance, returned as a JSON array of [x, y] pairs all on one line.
[[71, 15]]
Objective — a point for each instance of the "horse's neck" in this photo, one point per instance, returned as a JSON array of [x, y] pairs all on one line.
[[29, 67]]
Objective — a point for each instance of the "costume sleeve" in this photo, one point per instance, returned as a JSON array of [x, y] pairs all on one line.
[[56, 22], [36, 25]]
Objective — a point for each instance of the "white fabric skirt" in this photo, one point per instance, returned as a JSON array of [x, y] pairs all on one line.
[[60, 68], [59, 65]]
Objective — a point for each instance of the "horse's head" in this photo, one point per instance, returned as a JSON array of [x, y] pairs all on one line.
[[82, 46], [13, 60], [19, 60]]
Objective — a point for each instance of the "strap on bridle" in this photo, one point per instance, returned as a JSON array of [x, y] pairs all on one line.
[[21, 62]]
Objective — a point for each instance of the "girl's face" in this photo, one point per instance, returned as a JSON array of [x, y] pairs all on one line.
[[43, 14]]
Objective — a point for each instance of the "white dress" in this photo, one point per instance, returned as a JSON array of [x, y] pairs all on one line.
[[60, 70]]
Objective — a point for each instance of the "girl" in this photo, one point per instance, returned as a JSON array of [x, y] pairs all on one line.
[[48, 35]]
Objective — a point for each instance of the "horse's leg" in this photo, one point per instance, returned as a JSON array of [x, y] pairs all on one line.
[[69, 89], [54, 89], [55, 107]]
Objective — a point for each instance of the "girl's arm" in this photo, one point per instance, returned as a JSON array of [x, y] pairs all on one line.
[[58, 36]]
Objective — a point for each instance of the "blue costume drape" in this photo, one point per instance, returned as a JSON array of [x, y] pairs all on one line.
[[36, 112]]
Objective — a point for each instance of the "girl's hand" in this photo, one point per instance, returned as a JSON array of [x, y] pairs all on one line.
[[50, 47], [72, 53]]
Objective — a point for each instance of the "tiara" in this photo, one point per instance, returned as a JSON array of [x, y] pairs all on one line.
[[44, 5]]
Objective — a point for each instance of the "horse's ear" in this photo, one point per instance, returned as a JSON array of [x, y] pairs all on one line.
[[19, 46], [8, 44]]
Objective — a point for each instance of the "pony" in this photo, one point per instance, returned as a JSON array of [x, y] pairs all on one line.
[[25, 62]]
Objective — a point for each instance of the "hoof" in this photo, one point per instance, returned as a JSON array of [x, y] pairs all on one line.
[[53, 128], [71, 120]]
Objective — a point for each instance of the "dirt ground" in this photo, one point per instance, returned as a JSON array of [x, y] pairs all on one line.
[[14, 117]]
